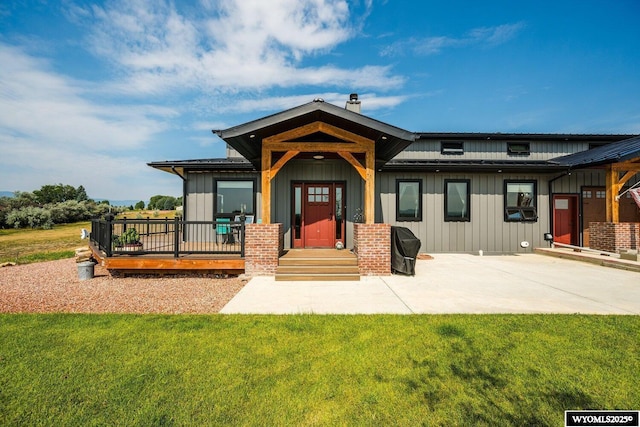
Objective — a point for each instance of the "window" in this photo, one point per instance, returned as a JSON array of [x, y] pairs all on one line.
[[235, 197], [520, 201], [452, 147], [518, 148], [408, 200], [457, 199]]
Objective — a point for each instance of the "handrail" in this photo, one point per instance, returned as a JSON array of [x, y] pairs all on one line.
[[165, 236]]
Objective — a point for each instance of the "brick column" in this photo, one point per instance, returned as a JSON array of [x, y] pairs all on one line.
[[372, 245], [614, 237], [264, 243]]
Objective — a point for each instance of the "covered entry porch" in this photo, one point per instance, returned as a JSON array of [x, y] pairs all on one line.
[[319, 206]]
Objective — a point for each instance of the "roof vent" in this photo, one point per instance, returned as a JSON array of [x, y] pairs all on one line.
[[353, 104]]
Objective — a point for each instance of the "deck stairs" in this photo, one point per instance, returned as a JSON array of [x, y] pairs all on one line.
[[318, 265]]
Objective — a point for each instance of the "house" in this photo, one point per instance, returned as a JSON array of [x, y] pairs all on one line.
[[320, 176], [320, 170]]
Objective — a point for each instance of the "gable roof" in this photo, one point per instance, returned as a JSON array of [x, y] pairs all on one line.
[[611, 153], [247, 138]]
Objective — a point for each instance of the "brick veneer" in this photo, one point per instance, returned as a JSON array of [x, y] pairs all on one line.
[[372, 245], [610, 237], [264, 243]]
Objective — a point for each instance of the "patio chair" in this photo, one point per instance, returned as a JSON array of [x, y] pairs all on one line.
[[223, 229]]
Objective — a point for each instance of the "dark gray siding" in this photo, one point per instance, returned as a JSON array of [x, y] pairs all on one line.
[[487, 230], [200, 193]]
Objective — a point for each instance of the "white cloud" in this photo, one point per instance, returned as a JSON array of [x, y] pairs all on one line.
[[234, 45], [49, 124], [370, 102], [45, 106], [483, 36]]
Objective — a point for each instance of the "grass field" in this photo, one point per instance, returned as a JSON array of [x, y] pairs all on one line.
[[33, 245], [24, 246], [314, 370]]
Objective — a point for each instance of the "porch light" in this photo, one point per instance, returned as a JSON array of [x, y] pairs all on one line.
[[318, 157]]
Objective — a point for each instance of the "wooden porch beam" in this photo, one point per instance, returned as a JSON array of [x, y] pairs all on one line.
[[282, 161], [630, 165], [308, 147], [626, 177], [314, 127], [355, 163]]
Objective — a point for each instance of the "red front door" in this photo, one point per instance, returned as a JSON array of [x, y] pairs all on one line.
[[318, 215], [319, 220], [565, 219]]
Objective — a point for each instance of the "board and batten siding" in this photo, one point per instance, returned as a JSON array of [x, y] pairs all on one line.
[[487, 230], [200, 193]]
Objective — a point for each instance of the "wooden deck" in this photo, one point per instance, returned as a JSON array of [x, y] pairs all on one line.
[[167, 264]]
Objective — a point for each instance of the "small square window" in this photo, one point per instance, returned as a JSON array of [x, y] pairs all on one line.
[[518, 148], [520, 201], [408, 200], [452, 147]]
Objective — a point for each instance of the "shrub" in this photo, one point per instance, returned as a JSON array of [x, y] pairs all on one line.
[[30, 216]]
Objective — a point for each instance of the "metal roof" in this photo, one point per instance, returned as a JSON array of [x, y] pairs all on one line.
[[178, 167], [499, 136], [247, 138], [437, 165], [611, 153]]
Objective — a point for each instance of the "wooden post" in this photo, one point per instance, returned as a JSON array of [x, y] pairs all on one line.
[[266, 185], [369, 186]]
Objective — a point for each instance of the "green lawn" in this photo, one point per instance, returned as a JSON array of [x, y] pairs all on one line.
[[314, 370], [25, 246]]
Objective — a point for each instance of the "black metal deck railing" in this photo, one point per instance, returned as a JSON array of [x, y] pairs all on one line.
[[168, 237]]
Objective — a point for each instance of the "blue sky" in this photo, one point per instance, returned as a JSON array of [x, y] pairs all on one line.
[[92, 91]]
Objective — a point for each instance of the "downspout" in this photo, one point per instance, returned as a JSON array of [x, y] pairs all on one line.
[[550, 184]]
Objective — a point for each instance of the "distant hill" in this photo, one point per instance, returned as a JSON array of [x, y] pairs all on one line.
[[123, 202]]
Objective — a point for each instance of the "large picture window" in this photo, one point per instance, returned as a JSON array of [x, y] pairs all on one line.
[[457, 200], [520, 201], [409, 200], [235, 197]]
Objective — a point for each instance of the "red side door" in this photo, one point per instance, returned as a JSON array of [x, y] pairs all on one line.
[[565, 219]]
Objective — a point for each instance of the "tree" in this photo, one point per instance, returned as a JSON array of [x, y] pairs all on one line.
[[139, 206], [81, 194], [57, 193]]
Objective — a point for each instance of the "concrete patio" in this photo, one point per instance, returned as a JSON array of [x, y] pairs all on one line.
[[456, 283]]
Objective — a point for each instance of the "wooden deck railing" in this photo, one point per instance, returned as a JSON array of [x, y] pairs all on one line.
[[169, 237]]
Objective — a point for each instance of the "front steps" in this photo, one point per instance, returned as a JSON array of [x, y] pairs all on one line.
[[318, 265]]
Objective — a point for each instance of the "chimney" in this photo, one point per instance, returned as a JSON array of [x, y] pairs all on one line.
[[353, 104]]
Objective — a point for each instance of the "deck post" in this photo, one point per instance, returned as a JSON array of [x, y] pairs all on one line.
[[176, 236], [108, 235]]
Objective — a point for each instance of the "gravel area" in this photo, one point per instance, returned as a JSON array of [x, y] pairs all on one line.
[[54, 287]]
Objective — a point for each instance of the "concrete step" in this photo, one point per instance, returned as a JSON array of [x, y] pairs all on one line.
[[319, 277], [318, 269]]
